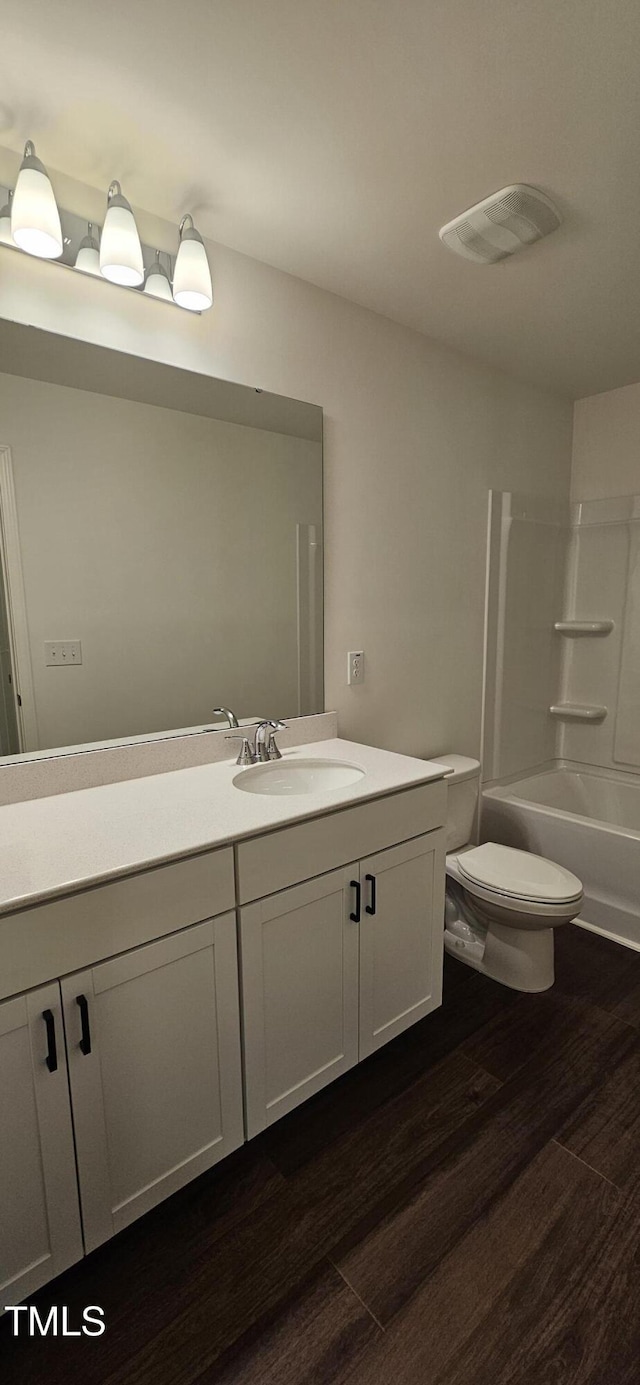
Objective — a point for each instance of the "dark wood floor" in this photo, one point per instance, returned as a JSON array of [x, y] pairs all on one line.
[[462, 1209]]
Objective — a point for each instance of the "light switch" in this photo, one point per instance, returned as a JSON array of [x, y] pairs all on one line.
[[61, 652]]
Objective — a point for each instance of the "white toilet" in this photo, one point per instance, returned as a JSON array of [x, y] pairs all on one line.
[[501, 905]]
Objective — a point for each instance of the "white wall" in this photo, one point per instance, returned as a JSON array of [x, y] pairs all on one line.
[[606, 445], [415, 435], [166, 543]]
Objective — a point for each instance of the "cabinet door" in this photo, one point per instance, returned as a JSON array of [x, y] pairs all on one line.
[[40, 1233], [154, 1065], [401, 938], [299, 993]]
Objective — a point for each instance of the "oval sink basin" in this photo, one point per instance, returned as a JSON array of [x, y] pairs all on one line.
[[298, 777]]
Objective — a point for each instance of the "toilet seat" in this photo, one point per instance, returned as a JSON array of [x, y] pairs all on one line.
[[491, 870]]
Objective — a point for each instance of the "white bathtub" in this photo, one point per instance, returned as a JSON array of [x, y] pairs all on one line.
[[588, 822]]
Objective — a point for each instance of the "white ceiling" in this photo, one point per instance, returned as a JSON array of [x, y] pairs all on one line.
[[332, 138]]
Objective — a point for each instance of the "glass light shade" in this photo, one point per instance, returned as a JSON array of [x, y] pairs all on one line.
[[6, 237], [192, 288], [88, 256], [120, 249], [88, 259], [157, 282], [35, 219]]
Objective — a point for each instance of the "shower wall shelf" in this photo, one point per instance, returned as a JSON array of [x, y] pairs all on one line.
[[583, 627], [578, 711]]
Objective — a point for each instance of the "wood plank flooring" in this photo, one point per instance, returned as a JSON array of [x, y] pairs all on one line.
[[462, 1209]]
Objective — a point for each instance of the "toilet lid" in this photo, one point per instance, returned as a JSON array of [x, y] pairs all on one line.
[[519, 873]]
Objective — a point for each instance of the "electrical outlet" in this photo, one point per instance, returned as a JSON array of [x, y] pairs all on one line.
[[355, 666], [60, 652]]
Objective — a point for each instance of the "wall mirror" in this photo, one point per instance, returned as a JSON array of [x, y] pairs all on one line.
[[161, 547]]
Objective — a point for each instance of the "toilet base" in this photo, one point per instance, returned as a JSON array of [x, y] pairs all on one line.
[[521, 958]]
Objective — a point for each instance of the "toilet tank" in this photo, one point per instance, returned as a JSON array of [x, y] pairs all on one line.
[[463, 786]]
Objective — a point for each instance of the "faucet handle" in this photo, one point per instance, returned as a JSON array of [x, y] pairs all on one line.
[[273, 751], [246, 755]]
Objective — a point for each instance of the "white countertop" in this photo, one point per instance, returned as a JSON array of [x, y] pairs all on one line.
[[53, 846]]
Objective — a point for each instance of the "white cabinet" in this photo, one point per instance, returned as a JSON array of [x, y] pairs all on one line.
[[62, 935], [299, 952], [123, 1081], [336, 967], [154, 1068], [40, 1233], [401, 938], [307, 849], [152, 1062]]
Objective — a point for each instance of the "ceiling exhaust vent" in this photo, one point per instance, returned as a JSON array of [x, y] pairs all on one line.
[[502, 224]]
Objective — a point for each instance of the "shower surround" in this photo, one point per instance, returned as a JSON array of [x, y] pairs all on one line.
[[561, 750]]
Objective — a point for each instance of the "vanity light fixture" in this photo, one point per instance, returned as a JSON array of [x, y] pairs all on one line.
[[192, 288], [120, 250], [6, 237], [35, 219], [88, 256], [157, 282], [30, 221]]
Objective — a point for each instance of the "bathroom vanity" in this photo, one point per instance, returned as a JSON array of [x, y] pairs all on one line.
[[183, 962]]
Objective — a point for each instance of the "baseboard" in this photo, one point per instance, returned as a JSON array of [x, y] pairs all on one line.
[[607, 933]]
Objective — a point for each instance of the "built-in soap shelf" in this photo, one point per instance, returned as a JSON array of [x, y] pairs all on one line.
[[584, 627], [578, 711]]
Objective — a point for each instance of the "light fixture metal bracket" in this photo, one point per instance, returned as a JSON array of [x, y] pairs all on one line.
[[189, 232]]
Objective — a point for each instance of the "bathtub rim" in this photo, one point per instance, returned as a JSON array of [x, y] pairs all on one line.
[[503, 791]]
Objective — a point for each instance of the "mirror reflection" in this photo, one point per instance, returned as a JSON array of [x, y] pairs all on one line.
[[161, 548]]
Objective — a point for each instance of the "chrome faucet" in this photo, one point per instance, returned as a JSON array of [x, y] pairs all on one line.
[[260, 748], [226, 712], [263, 750]]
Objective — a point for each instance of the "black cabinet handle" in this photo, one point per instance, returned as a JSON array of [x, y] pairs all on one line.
[[85, 1041], [356, 915], [52, 1048], [370, 908]]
